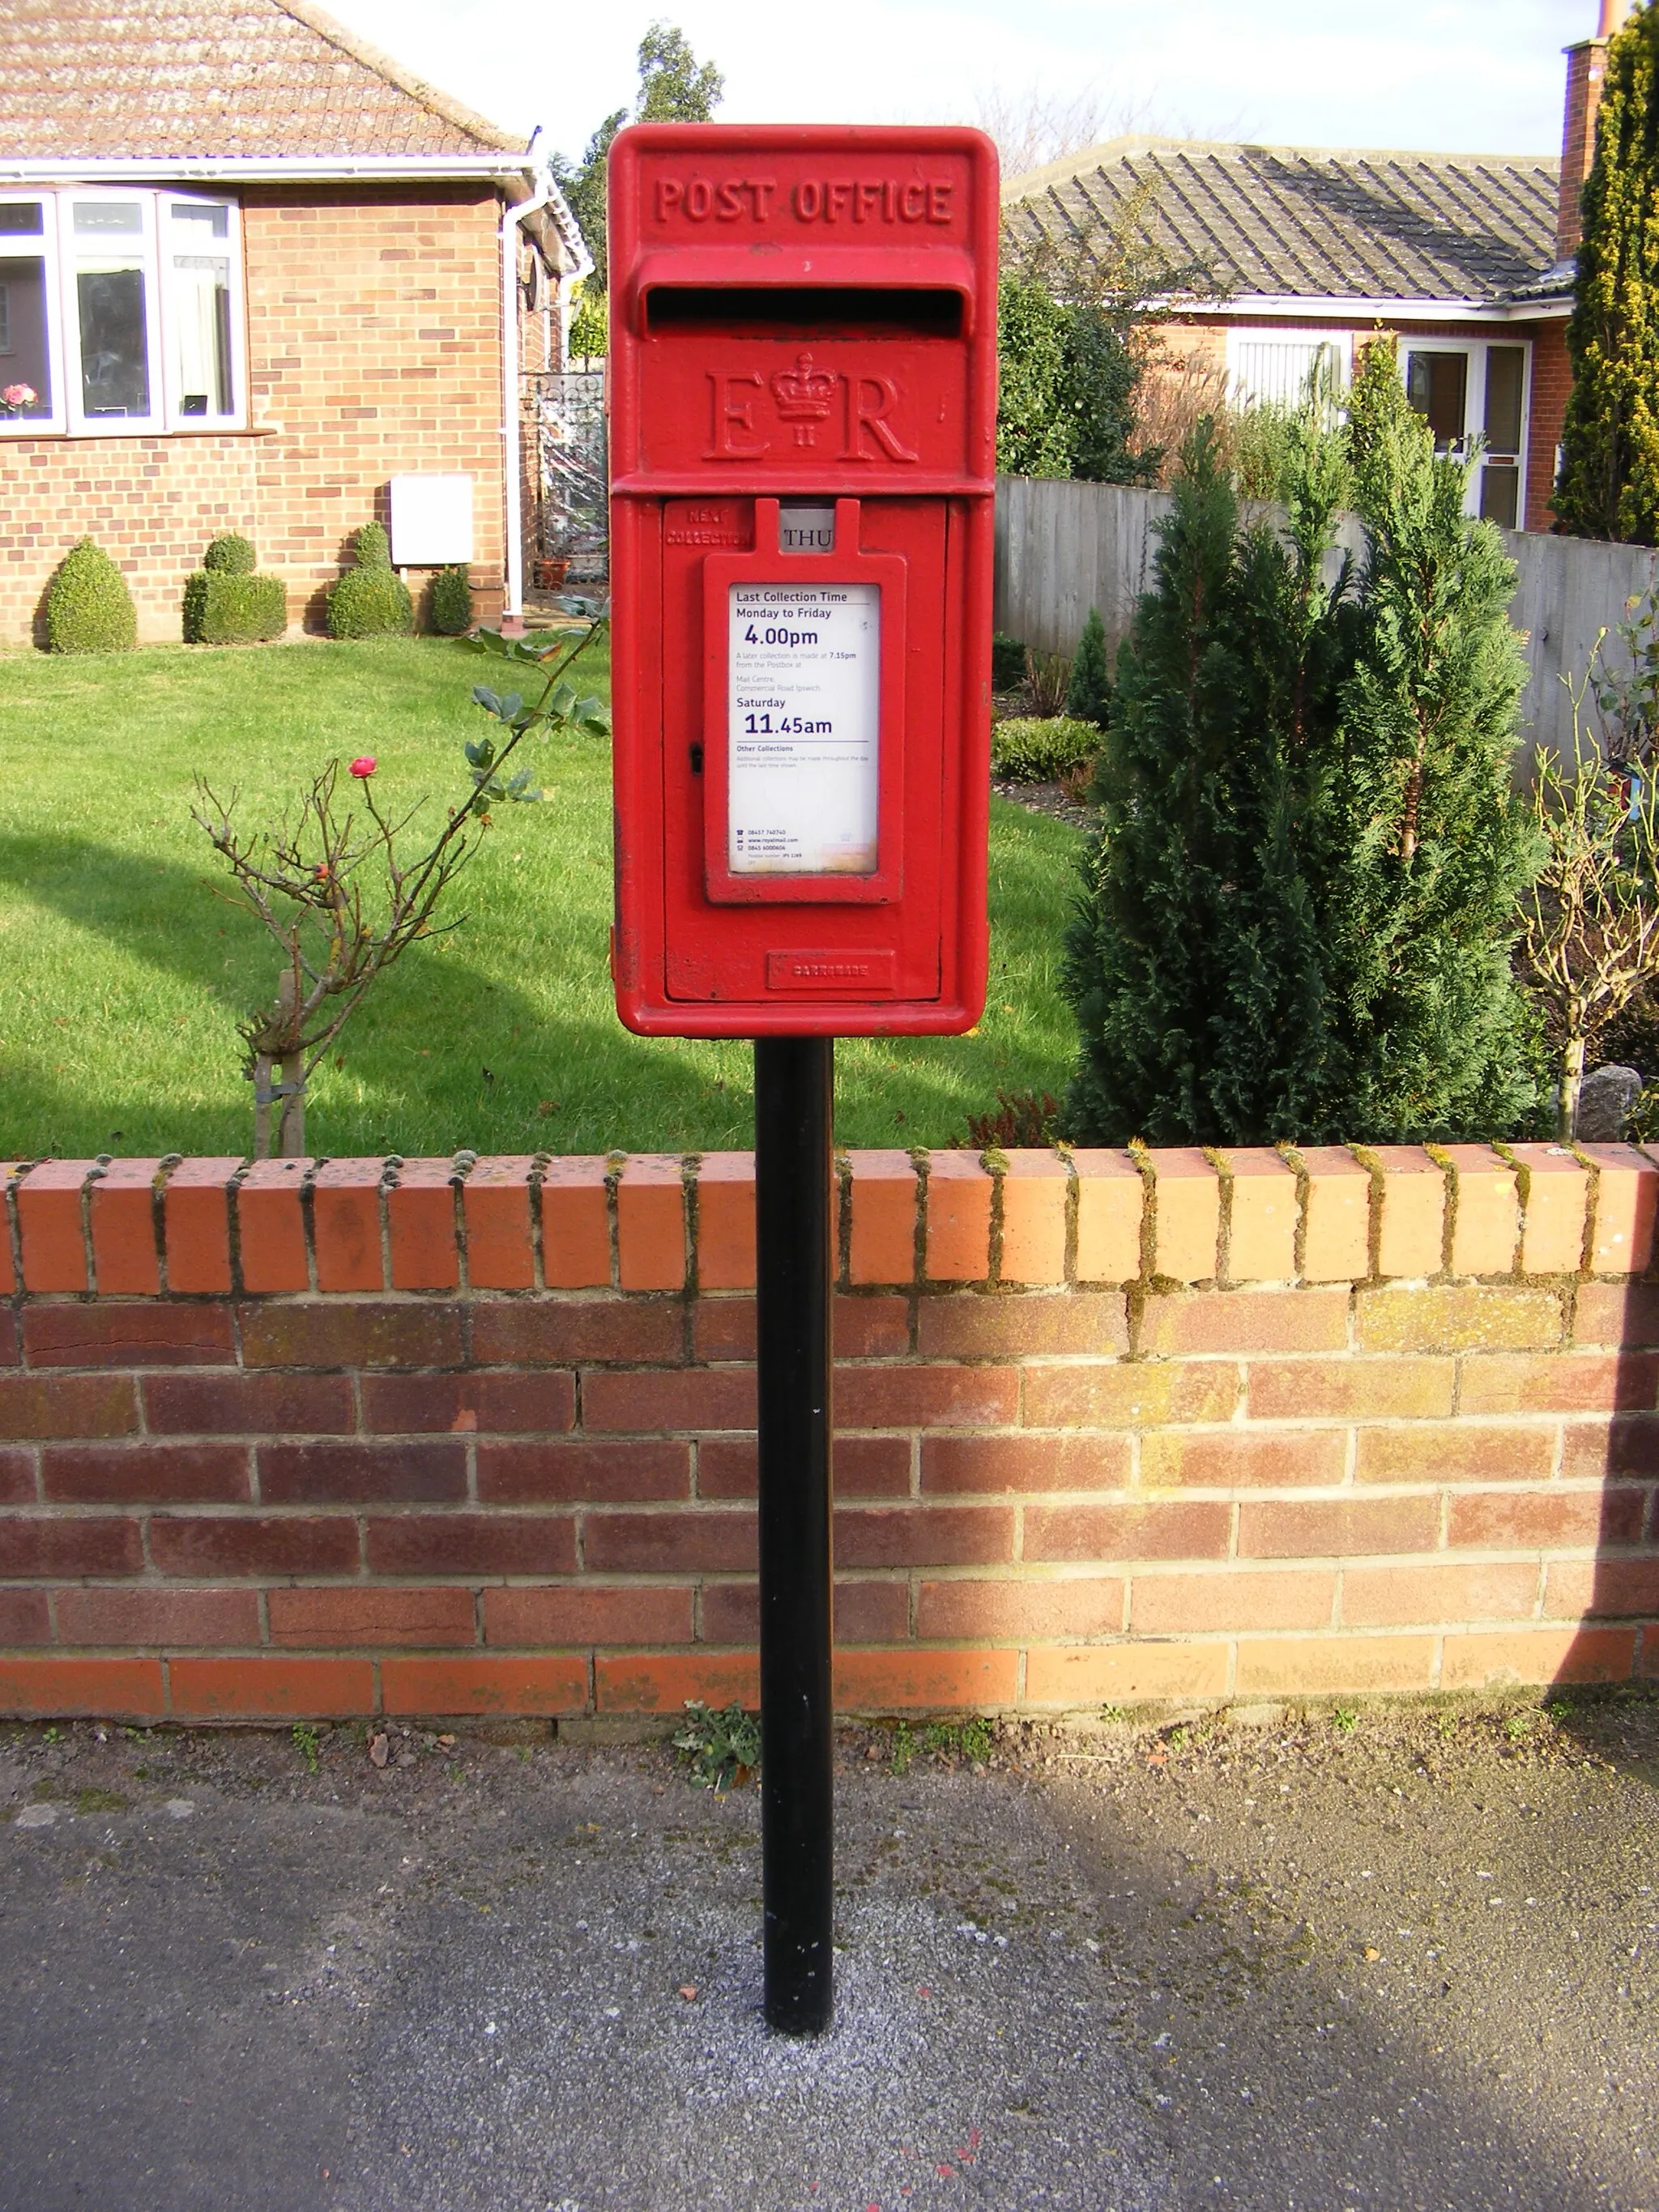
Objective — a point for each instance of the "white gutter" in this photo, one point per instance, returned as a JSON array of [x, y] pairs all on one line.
[[541, 192], [1330, 308], [270, 168]]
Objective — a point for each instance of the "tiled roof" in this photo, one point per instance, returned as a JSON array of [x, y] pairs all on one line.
[[1309, 222], [85, 79]]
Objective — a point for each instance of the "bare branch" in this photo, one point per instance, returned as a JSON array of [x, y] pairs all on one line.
[[331, 887]]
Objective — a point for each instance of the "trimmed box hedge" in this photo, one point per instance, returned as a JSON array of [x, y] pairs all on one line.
[[88, 606]]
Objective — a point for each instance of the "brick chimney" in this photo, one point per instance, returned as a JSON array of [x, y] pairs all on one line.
[[1586, 66]]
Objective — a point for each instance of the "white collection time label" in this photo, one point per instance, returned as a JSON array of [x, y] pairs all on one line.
[[803, 671]]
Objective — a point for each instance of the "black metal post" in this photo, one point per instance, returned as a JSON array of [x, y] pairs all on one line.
[[795, 1086]]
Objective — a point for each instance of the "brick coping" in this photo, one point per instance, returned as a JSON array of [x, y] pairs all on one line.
[[665, 1222]]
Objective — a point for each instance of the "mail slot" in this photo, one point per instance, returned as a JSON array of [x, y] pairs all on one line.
[[803, 416]]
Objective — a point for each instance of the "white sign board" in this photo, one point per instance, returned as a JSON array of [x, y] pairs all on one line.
[[804, 675], [431, 521]]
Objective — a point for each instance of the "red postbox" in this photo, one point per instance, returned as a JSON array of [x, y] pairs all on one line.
[[802, 396]]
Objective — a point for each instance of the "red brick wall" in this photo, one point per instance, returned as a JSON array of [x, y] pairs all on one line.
[[373, 349], [1552, 382], [1586, 75], [413, 1438]]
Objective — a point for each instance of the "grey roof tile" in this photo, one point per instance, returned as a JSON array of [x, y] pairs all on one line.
[[1310, 222]]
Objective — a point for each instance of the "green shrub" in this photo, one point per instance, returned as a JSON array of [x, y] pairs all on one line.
[[450, 609], [590, 334], [231, 555], [1264, 448], [371, 547], [1089, 691], [371, 600], [1035, 749], [370, 603], [1007, 661], [1048, 682], [231, 608], [226, 604], [88, 606]]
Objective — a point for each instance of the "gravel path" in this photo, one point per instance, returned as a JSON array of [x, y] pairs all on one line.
[[1394, 1959]]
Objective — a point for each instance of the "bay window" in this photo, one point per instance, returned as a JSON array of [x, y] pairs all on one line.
[[119, 312]]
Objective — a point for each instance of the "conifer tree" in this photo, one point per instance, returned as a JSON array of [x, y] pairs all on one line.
[[1420, 915], [1090, 688], [1299, 918], [1193, 961], [1609, 480], [1379, 419]]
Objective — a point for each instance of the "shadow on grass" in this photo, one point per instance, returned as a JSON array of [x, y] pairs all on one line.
[[164, 917], [151, 906], [444, 1053], [502, 1037]]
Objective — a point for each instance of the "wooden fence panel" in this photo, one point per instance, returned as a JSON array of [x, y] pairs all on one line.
[[1062, 548]]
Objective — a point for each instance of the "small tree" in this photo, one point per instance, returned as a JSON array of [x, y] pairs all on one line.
[[1626, 688], [674, 87], [1299, 918], [1609, 481], [1091, 687], [1590, 922], [1435, 850], [342, 896], [1193, 961], [1073, 327]]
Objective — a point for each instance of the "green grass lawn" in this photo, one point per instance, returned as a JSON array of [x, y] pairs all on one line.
[[121, 977]]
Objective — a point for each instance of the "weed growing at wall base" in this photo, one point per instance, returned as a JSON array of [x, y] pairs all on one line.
[[722, 1750]]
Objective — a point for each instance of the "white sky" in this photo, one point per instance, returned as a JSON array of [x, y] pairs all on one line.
[[1452, 76]]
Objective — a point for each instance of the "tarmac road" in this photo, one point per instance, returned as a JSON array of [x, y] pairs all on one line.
[[1400, 1960]]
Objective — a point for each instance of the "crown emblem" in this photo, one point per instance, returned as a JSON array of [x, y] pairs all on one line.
[[804, 396]]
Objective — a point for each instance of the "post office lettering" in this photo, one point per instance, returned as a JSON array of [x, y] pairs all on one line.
[[697, 200]]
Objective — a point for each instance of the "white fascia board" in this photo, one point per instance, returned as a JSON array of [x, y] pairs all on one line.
[[1254, 307], [272, 168]]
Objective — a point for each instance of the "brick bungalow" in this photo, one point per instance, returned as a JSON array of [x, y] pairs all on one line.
[[1467, 258], [250, 271]]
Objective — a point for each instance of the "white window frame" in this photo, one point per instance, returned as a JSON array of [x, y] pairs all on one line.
[[55, 423], [236, 317], [65, 251], [1474, 404], [74, 253]]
